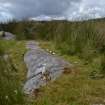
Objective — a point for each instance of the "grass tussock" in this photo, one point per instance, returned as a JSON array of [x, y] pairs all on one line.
[[11, 73]]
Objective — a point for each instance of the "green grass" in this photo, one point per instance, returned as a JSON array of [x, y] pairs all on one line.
[[16, 51], [85, 39], [80, 43], [77, 88], [12, 73], [73, 90]]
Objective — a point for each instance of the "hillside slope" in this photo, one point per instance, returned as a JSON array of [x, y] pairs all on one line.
[[81, 43]]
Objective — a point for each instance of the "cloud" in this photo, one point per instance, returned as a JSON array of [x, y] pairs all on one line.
[[87, 10], [70, 9], [4, 12]]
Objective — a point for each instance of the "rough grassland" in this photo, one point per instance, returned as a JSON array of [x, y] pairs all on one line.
[[16, 50], [76, 88]]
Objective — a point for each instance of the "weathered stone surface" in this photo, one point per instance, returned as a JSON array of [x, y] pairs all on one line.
[[8, 36], [38, 62]]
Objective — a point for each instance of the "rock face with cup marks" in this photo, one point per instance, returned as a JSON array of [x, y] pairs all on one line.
[[42, 67]]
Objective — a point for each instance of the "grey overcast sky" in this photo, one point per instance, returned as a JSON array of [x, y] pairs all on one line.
[[69, 9]]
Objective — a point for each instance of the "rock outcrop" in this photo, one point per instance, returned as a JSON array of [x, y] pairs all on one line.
[[7, 36], [42, 67]]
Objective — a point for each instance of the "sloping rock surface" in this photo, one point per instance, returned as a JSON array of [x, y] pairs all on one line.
[[38, 62], [8, 36]]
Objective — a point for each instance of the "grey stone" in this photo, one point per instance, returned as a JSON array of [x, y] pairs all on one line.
[[8, 36], [38, 61]]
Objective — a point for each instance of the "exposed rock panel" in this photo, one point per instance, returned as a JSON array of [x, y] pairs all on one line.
[[8, 36], [41, 66]]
